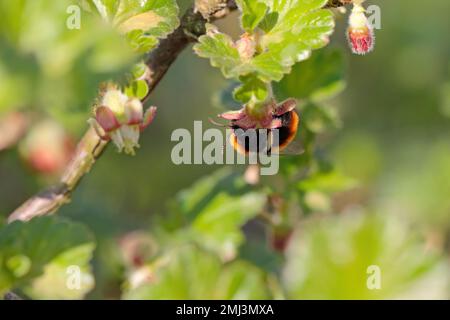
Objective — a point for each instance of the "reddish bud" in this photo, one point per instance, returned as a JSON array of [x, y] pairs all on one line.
[[133, 111], [359, 33], [120, 118], [47, 148], [106, 119], [43, 161], [361, 40], [246, 46], [148, 118]]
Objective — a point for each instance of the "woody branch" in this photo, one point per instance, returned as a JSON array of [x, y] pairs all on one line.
[[90, 147]]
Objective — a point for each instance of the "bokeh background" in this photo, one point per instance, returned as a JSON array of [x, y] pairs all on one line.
[[393, 139]]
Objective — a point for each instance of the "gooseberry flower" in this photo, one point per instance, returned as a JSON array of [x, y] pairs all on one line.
[[360, 33], [121, 119], [266, 118]]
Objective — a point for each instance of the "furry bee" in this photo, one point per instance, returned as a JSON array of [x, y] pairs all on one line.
[[274, 131]]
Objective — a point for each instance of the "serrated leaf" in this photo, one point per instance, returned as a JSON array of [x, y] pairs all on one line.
[[166, 9], [220, 49], [253, 11], [192, 273], [292, 30], [290, 12], [283, 49], [36, 243], [144, 22]]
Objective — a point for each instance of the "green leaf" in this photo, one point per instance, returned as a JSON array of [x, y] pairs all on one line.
[[140, 42], [191, 273], [289, 13], [46, 65], [283, 48], [138, 89], [68, 276], [269, 21], [335, 259], [318, 78], [215, 208], [253, 11], [139, 70], [27, 248], [167, 11], [144, 22], [220, 49], [252, 89], [218, 225], [292, 30]]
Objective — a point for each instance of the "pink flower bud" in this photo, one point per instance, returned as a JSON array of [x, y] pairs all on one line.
[[246, 46], [359, 33], [361, 40], [148, 118], [121, 120], [133, 111], [106, 119], [47, 148]]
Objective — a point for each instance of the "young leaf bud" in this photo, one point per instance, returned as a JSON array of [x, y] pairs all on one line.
[[246, 46]]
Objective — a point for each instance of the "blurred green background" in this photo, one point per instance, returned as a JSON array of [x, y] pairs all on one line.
[[394, 140]]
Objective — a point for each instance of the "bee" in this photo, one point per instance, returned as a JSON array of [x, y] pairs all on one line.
[[274, 132]]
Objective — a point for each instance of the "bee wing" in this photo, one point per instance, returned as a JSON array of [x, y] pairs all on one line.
[[294, 148]]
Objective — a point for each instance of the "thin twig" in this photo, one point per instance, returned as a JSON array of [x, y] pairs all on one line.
[[91, 146]]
